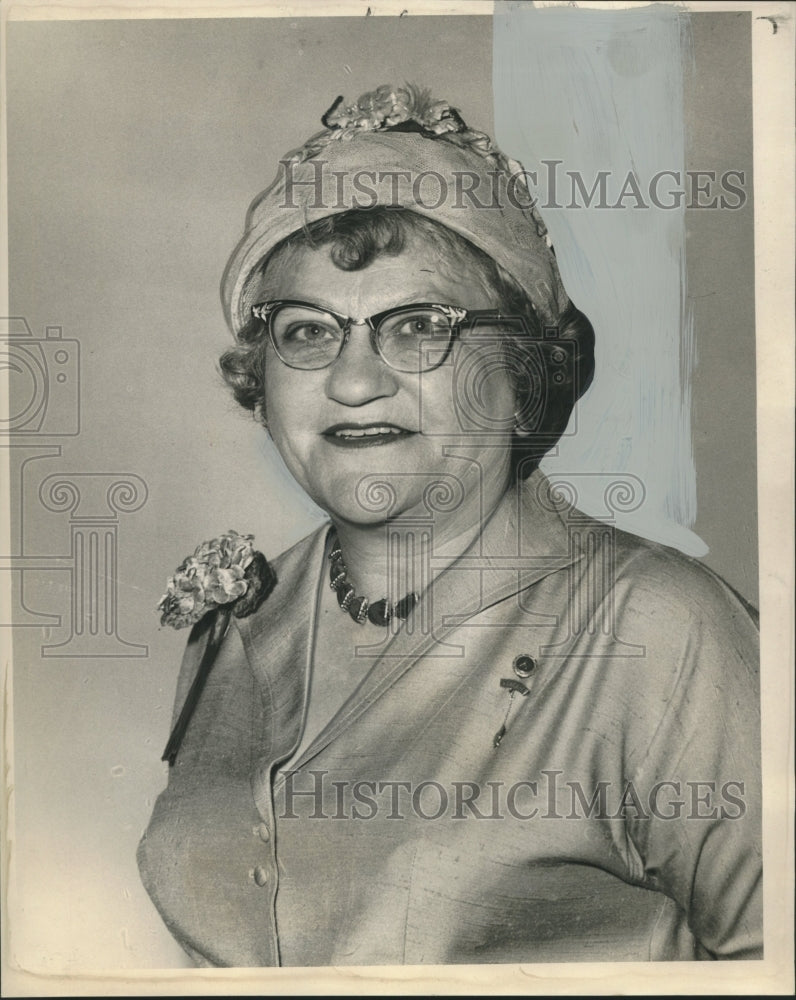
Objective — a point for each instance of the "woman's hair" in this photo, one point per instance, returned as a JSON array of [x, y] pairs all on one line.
[[551, 368]]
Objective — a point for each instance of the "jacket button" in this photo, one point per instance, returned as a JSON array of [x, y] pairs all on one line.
[[262, 831], [260, 875], [524, 665]]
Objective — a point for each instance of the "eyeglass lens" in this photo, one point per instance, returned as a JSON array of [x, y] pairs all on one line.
[[413, 339]]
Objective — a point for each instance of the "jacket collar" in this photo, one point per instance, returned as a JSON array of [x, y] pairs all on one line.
[[525, 540]]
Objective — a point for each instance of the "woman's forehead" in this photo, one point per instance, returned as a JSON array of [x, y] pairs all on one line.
[[417, 274]]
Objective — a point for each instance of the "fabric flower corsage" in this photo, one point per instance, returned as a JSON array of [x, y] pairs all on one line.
[[225, 576], [224, 571]]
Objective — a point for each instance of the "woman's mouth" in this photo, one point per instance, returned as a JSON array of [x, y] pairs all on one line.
[[364, 435]]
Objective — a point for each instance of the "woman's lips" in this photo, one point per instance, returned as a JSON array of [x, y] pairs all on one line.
[[364, 435]]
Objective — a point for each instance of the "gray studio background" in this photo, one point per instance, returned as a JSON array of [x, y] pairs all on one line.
[[134, 149]]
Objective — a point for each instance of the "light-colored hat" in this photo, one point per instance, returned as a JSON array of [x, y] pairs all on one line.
[[399, 148]]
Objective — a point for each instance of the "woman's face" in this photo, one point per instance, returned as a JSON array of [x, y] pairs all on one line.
[[317, 419]]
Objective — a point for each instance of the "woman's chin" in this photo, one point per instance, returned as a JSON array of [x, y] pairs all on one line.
[[371, 499], [381, 506]]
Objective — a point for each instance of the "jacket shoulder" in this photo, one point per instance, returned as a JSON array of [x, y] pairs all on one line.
[[674, 579], [294, 559]]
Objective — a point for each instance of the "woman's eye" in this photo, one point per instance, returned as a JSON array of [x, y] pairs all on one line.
[[414, 326], [309, 333], [420, 326]]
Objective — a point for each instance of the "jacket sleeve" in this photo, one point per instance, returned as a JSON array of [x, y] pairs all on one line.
[[700, 842]]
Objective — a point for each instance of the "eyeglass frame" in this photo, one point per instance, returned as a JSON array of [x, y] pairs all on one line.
[[456, 315]]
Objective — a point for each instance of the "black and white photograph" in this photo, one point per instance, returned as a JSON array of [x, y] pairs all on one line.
[[397, 459]]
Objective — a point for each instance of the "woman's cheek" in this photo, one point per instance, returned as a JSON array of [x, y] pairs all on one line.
[[287, 414]]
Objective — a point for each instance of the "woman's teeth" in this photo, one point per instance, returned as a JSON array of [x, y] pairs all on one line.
[[367, 432]]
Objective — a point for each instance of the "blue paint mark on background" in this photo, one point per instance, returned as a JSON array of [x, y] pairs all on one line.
[[602, 90]]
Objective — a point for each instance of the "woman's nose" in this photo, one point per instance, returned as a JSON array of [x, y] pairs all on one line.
[[359, 374]]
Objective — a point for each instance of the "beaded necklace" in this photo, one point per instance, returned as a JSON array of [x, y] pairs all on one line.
[[361, 610]]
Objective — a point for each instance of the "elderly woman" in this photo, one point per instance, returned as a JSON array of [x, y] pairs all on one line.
[[463, 722]]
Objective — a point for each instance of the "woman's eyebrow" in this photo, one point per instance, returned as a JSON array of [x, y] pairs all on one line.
[[310, 300], [405, 300]]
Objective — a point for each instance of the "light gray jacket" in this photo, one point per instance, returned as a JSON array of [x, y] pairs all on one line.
[[598, 800]]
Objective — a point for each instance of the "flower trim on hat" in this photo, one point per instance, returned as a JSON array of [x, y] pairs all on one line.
[[386, 108], [412, 109]]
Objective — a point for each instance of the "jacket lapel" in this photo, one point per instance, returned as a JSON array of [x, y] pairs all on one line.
[[278, 640]]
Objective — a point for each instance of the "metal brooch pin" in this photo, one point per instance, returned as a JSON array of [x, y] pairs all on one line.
[[513, 687]]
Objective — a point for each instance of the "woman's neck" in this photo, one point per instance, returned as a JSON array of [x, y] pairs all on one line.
[[392, 559]]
